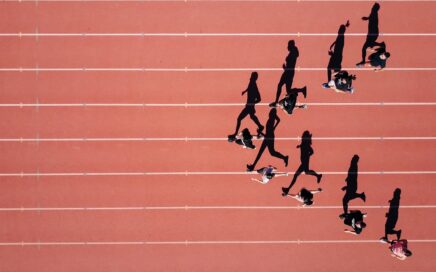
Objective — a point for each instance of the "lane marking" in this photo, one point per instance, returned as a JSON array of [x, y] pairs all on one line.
[[205, 1], [186, 208], [187, 69], [193, 139], [204, 242], [190, 105], [187, 34], [187, 173]]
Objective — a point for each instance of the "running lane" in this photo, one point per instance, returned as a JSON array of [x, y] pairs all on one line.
[[221, 190], [205, 87], [211, 17], [212, 122]]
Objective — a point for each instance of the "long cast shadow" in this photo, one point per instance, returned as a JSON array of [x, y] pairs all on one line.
[[351, 187], [336, 52], [253, 97], [338, 79], [287, 77], [306, 151], [373, 32], [392, 216], [268, 141]]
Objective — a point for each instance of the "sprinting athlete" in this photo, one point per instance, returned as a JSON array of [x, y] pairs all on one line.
[[268, 173], [341, 83], [354, 219], [304, 196], [378, 58], [288, 103], [245, 139]]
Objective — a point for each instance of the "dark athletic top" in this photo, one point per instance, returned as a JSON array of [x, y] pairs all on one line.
[[306, 194], [289, 102], [338, 81], [246, 135], [357, 216], [375, 60]]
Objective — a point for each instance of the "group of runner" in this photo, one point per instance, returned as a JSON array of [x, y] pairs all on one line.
[[341, 81]]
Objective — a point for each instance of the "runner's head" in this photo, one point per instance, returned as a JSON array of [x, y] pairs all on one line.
[[270, 175], [308, 202], [385, 55], [246, 133], [361, 224], [407, 253]]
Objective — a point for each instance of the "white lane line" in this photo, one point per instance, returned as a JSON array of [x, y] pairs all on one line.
[[187, 173], [186, 69], [187, 34], [204, 242], [205, 1], [192, 139], [185, 208], [190, 105]]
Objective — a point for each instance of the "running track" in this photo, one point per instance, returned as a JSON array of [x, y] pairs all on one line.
[[114, 155]]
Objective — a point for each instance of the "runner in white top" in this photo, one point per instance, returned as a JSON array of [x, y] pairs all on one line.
[[268, 173]]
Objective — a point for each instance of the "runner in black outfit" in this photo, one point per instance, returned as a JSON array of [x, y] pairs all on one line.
[[305, 196], [253, 97], [288, 74], [354, 219], [288, 103], [245, 139], [268, 141], [378, 57], [341, 82]]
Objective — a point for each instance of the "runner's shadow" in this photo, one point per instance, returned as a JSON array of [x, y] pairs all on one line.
[[306, 151], [253, 97], [351, 187], [373, 32], [336, 52], [269, 139], [287, 77], [392, 215]]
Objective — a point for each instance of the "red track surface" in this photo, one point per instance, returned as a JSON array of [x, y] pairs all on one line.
[[155, 223]]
